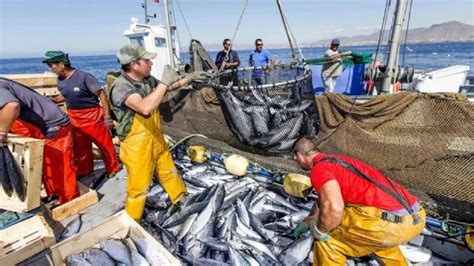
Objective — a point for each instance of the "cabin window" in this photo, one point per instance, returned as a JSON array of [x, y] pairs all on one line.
[[160, 42], [137, 40]]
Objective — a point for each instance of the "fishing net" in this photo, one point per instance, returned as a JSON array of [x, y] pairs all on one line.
[[268, 109], [423, 141], [355, 58]]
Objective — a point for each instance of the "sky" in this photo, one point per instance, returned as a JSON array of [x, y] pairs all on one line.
[[28, 28]]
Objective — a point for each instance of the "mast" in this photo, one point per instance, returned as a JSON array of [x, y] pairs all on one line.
[[394, 45], [147, 17], [168, 32]]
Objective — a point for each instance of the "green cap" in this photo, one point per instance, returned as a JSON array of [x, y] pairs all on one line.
[[133, 52], [55, 57]]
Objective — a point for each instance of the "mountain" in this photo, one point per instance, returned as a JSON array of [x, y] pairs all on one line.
[[451, 31]]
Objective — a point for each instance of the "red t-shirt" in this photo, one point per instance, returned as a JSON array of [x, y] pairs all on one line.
[[354, 188]]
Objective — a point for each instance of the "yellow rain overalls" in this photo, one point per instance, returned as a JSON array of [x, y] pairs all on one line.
[[363, 232], [143, 151]]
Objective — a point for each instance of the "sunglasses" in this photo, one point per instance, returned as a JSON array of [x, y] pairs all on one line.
[[259, 44]]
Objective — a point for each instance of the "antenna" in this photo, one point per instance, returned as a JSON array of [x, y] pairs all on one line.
[[147, 17]]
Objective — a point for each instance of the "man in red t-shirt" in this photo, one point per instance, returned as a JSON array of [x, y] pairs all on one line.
[[359, 211]]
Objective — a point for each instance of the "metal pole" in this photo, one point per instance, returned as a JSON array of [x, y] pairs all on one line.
[[286, 30], [168, 33], [146, 12], [394, 44]]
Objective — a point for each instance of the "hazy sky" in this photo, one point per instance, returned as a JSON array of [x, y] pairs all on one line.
[[30, 27]]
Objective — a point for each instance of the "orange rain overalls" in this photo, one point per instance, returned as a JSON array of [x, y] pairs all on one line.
[[144, 152], [363, 232], [59, 170], [88, 127]]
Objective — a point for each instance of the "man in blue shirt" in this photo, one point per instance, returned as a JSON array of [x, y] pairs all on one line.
[[89, 111], [260, 58], [228, 59]]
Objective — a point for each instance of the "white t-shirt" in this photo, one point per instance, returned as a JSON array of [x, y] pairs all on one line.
[[334, 68]]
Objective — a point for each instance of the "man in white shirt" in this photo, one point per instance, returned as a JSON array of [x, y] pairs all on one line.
[[333, 66]]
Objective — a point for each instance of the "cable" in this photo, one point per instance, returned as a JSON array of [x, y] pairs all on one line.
[[382, 28], [293, 36], [406, 33], [184, 19], [186, 138], [226, 57]]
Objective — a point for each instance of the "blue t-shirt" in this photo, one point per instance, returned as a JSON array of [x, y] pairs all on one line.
[[34, 108], [79, 90], [233, 57], [261, 58]]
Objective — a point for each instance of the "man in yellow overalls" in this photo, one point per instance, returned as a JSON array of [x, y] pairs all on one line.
[[134, 97], [359, 210]]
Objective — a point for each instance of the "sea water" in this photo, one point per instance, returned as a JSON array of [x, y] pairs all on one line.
[[422, 56]]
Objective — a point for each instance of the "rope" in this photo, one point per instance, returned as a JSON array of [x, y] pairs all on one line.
[[226, 57], [177, 35], [382, 28], [293, 36], [184, 19], [406, 33], [285, 26]]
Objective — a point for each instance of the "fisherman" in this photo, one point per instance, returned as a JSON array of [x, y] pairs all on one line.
[[333, 66], [90, 117], [228, 59], [135, 96], [359, 211], [260, 58], [28, 114]]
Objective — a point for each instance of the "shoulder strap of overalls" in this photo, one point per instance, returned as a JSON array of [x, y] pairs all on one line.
[[396, 195]]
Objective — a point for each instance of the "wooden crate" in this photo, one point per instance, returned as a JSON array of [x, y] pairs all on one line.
[[119, 225], [87, 198], [37, 80], [25, 239], [28, 153]]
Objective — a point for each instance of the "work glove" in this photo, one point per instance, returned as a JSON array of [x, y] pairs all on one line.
[[198, 76], [299, 230], [109, 123], [316, 233], [3, 139], [170, 76]]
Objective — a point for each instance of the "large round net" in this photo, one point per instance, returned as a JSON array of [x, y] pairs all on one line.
[[268, 109]]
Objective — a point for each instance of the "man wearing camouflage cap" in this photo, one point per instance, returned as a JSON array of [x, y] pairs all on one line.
[[135, 96]]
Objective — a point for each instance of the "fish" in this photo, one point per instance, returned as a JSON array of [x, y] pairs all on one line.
[[228, 219], [77, 260], [98, 257], [137, 258], [15, 175], [147, 248], [181, 215], [116, 250], [4, 176], [202, 261], [72, 228], [297, 252]]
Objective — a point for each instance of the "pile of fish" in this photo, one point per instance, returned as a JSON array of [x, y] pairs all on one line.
[[271, 123], [119, 252], [227, 219], [11, 177]]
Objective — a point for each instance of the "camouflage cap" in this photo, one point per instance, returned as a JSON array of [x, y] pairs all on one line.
[[133, 52], [55, 57]]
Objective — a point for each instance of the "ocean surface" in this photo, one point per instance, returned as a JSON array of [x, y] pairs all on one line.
[[422, 56]]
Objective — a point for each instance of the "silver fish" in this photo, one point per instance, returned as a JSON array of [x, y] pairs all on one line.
[[117, 250], [77, 260], [297, 252], [98, 257], [137, 258], [72, 228]]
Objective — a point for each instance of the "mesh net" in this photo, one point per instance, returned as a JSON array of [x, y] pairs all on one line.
[[423, 141], [267, 109]]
